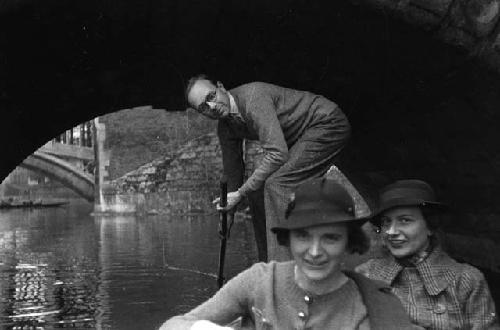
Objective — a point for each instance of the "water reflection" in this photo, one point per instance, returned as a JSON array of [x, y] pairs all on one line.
[[45, 278], [64, 268]]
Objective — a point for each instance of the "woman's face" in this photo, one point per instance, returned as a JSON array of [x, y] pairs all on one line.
[[404, 231], [319, 251]]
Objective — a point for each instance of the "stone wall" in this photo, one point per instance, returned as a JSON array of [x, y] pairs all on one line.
[[137, 136], [182, 181], [195, 166]]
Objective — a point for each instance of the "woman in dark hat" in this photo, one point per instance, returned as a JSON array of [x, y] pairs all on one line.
[[311, 291], [436, 291]]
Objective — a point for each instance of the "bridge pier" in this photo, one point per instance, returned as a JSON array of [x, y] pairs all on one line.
[[106, 197]]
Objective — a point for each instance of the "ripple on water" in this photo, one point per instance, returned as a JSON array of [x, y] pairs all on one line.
[[66, 269]]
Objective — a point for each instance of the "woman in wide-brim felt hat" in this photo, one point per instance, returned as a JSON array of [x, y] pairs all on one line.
[[436, 291], [311, 291]]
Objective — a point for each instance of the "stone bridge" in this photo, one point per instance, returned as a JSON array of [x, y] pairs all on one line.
[[50, 161]]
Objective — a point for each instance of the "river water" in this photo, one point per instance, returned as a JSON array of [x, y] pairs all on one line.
[[65, 268]]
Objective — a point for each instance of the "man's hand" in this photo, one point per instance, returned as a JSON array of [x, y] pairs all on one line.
[[233, 198]]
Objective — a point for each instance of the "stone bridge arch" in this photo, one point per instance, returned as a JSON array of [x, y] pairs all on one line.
[[365, 54], [418, 79], [62, 171]]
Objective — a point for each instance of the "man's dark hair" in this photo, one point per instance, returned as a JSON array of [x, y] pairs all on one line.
[[357, 240], [191, 83]]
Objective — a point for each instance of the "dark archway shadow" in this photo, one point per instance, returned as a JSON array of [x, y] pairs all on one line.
[[418, 107], [63, 63]]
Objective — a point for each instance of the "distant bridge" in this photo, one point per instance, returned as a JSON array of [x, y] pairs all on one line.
[[46, 161]]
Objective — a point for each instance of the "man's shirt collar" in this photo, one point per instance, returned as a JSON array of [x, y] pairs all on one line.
[[233, 109], [234, 112]]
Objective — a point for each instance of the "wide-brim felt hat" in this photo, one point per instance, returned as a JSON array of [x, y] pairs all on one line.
[[318, 202], [407, 193]]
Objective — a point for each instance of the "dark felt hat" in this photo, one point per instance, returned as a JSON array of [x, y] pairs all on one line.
[[407, 193], [318, 202]]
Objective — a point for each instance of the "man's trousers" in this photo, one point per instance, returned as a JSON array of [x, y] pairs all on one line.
[[310, 157]]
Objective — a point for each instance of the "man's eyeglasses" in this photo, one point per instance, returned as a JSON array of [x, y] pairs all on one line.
[[205, 107]]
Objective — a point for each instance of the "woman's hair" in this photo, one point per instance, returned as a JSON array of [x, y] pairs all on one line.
[[357, 240], [431, 216]]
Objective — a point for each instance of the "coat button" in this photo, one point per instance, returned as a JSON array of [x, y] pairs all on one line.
[[440, 309], [302, 315], [307, 299]]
